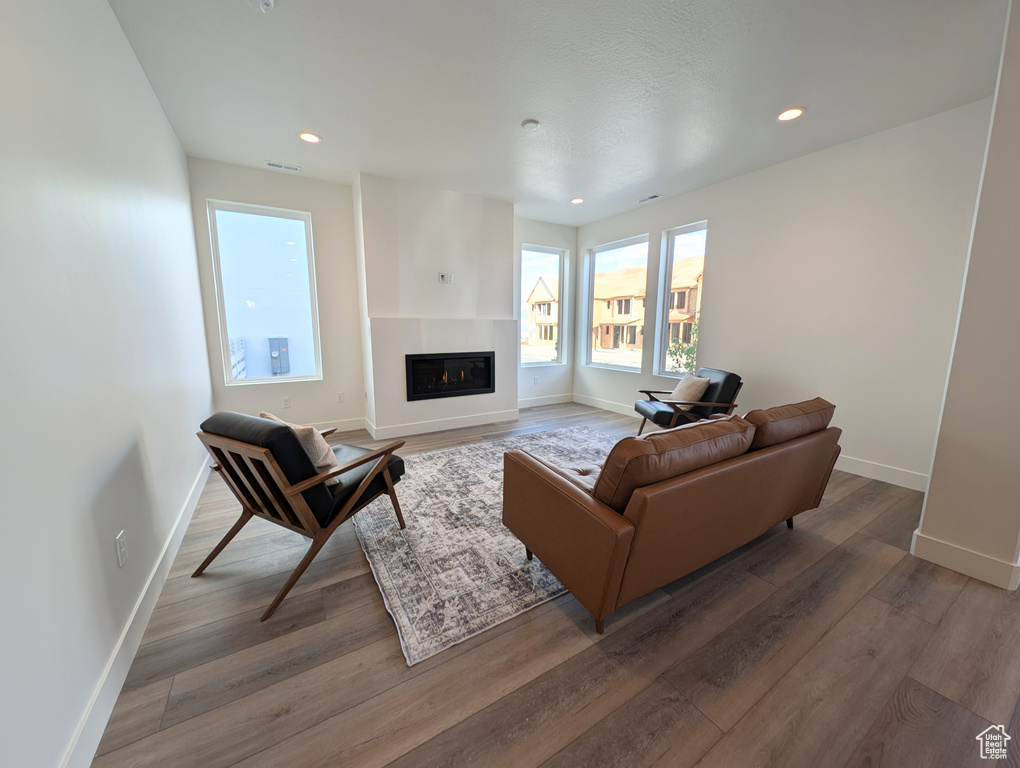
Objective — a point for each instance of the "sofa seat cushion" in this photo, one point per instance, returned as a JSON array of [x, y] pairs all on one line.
[[584, 475], [635, 462], [787, 422], [350, 480]]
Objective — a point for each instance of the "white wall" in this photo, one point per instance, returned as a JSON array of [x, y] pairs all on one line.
[[331, 206], [971, 518], [413, 232], [837, 275], [555, 381], [106, 378], [407, 234]]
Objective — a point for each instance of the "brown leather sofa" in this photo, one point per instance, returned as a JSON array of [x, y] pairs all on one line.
[[668, 503]]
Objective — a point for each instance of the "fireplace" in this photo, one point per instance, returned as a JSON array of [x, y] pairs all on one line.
[[450, 374]]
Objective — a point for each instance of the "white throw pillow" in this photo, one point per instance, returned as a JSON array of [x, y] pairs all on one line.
[[315, 446], [691, 389]]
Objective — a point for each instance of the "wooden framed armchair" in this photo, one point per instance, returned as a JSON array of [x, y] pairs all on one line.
[[719, 398], [264, 465]]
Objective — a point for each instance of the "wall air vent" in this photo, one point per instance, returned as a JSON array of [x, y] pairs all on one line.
[[649, 198], [283, 166]]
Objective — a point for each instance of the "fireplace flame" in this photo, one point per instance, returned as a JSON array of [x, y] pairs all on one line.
[[462, 374], [444, 377]]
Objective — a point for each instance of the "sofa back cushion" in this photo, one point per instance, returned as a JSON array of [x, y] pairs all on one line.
[[635, 462], [786, 422]]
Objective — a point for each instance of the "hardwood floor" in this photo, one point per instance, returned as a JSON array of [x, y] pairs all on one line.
[[827, 645]]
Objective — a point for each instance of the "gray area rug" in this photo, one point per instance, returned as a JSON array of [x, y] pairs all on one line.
[[456, 570]]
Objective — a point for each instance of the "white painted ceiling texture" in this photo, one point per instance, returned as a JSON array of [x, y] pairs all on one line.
[[634, 98]]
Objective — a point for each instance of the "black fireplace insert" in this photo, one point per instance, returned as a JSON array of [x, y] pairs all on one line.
[[450, 374]]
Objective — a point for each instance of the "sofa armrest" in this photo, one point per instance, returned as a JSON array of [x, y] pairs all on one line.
[[583, 542]]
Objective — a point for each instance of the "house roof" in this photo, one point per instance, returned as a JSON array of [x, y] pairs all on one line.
[[631, 281], [687, 272], [546, 288]]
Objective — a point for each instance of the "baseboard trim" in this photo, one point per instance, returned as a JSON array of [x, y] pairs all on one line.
[[341, 425], [439, 425], [915, 481], [534, 402], [606, 405], [992, 570], [90, 729]]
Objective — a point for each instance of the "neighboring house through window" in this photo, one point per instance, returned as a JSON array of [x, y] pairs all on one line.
[[617, 276], [682, 294], [541, 300]]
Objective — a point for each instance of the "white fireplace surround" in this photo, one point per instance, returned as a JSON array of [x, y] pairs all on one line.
[[392, 338], [406, 235]]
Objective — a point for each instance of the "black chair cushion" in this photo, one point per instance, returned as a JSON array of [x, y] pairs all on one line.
[[722, 388], [279, 440], [349, 481], [660, 413]]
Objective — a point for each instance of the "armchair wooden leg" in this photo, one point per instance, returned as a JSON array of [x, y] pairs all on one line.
[[244, 518], [789, 522], [641, 428], [317, 544], [600, 626], [393, 496], [528, 553]]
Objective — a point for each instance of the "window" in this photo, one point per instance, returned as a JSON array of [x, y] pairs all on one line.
[[685, 266], [541, 302], [618, 274], [265, 291]]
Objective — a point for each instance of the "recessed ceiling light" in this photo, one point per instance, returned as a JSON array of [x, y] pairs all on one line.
[[577, 200], [311, 138], [790, 114], [530, 125]]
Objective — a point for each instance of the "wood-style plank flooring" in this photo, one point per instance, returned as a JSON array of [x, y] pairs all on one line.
[[827, 645]]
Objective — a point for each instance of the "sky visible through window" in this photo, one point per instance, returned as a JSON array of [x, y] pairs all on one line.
[[264, 274], [635, 255], [690, 245]]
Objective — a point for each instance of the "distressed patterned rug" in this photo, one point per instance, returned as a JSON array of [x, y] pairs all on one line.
[[456, 570]]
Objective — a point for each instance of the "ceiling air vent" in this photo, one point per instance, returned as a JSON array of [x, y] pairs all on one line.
[[649, 198], [283, 166]]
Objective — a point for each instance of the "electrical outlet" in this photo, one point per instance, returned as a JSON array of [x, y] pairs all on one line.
[[285, 401], [121, 549], [339, 397], [446, 278], [536, 380]]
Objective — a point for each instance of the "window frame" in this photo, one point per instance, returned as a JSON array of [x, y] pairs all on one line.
[[563, 318], [666, 294], [212, 206], [589, 298]]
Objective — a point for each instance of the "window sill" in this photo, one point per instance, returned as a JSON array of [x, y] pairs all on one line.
[[274, 380], [544, 364], [605, 367]]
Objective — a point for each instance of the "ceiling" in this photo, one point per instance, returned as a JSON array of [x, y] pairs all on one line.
[[634, 98]]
